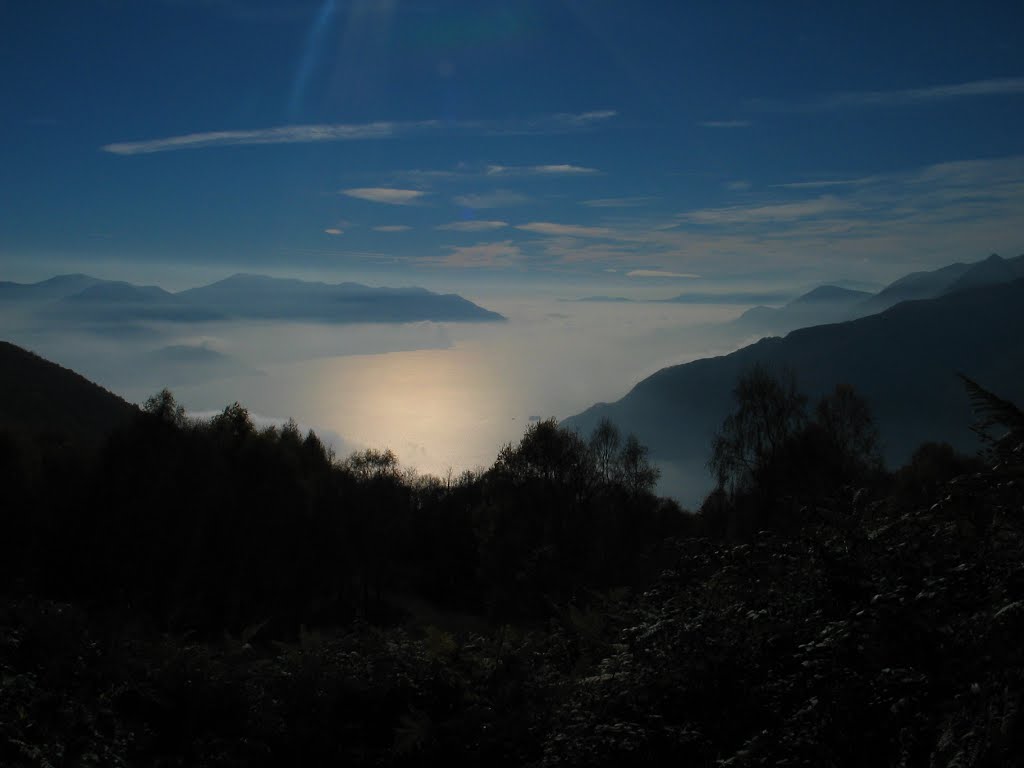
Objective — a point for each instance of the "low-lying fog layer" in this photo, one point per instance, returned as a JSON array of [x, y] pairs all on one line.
[[440, 395]]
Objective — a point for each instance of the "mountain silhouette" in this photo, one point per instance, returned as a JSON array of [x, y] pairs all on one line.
[[39, 398], [260, 297], [71, 298], [991, 271], [824, 304], [834, 303], [55, 288], [828, 294], [903, 361], [938, 282], [120, 302]]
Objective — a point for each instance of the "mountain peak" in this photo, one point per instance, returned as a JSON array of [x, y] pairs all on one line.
[[991, 271], [829, 294]]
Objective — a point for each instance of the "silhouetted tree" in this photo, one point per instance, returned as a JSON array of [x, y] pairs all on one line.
[[846, 418], [769, 410], [233, 422], [164, 407], [604, 444], [549, 453], [373, 464], [638, 474], [932, 465]]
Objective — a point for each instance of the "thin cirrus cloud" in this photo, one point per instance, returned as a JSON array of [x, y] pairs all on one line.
[[661, 273], [757, 214], [540, 170], [386, 195], [562, 122], [499, 198], [946, 208], [825, 183], [473, 226], [724, 124], [1004, 86], [901, 97], [618, 202], [285, 134], [392, 228], [334, 231], [499, 255], [566, 230]]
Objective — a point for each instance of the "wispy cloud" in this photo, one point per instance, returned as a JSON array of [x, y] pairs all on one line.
[[566, 230], [387, 195], [574, 250], [755, 214], [392, 228], [942, 212], [880, 225], [428, 175], [899, 97], [660, 273], [286, 134], [725, 124], [739, 185], [304, 134], [1005, 86], [825, 183], [499, 198], [473, 226], [502, 254], [540, 170], [334, 231], [618, 202]]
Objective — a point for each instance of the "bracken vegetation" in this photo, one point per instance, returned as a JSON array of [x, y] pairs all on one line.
[[213, 594]]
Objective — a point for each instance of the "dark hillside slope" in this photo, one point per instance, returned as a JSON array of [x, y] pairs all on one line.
[[903, 361], [39, 398]]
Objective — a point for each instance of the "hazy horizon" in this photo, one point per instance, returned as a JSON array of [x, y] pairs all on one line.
[[439, 394]]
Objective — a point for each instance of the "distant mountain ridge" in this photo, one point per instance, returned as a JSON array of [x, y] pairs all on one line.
[[824, 304], [54, 288], [241, 296], [834, 304], [828, 294], [939, 282], [902, 360]]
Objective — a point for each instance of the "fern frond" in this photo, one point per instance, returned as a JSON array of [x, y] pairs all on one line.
[[994, 412]]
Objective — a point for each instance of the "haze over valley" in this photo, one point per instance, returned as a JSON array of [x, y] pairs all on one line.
[[445, 382], [440, 394]]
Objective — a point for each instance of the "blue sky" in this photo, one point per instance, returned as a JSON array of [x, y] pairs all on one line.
[[579, 144]]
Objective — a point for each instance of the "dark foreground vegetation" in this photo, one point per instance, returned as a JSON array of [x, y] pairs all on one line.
[[211, 594]]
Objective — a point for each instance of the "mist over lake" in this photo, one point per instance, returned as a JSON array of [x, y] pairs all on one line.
[[438, 394]]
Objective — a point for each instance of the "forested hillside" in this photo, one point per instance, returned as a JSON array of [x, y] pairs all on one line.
[[213, 594], [39, 398]]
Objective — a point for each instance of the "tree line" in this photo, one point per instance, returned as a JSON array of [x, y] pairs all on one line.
[[216, 524], [209, 593]]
